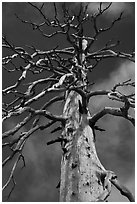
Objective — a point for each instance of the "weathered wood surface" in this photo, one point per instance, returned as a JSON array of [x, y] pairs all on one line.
[[80, 167]]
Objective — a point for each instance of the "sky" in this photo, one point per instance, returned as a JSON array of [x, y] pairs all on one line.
[[37, 182]]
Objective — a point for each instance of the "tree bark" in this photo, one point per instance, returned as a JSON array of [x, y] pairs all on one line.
[[81, 171]]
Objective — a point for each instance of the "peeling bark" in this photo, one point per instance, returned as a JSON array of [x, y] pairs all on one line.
[[81, 169]]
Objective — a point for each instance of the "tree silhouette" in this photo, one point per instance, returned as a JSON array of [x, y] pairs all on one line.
[[62, 74]]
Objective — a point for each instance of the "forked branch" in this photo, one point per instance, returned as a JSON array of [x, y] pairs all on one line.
[[111, 111], [67, 73]]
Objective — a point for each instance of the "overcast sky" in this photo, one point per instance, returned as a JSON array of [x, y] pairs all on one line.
[[37, 182]]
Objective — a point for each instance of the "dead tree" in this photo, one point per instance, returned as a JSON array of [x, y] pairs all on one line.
[[83, 177]]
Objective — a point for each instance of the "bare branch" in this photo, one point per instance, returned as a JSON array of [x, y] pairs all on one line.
[[8, 158], [11, 177], [28, 118], [33, 113], [56, 129], [34, 25], [17, 127], [43, 93], [112, 54], [112, 24], [40, 81], [112, 111], [17, 112], [123, 190], [55, 9], [114, 94], [101, 11], [97, 93], [69, 67], [99, 129], [128, 100], [7, 59], [49, 115], [22, 139], [22, 77], [59, 139], [106, 48], [124, 83], [40, 11], [52, 34], [53, 100]]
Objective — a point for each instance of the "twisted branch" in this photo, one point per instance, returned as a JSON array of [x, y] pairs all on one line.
[[111, 111]]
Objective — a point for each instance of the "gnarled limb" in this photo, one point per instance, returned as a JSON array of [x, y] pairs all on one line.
[[11, 177], [123, 190], [69, 67], [44, 113], [111, 111], [115, 94], [112, 54]]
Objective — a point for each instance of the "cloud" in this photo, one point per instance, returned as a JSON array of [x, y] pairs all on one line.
[[113, 144], [39, 179], [125, 71]]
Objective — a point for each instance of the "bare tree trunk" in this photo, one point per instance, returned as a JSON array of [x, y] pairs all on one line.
[[80, 167], [83, 178]]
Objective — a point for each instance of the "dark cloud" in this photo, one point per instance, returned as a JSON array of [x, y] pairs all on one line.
[[37, 182]]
